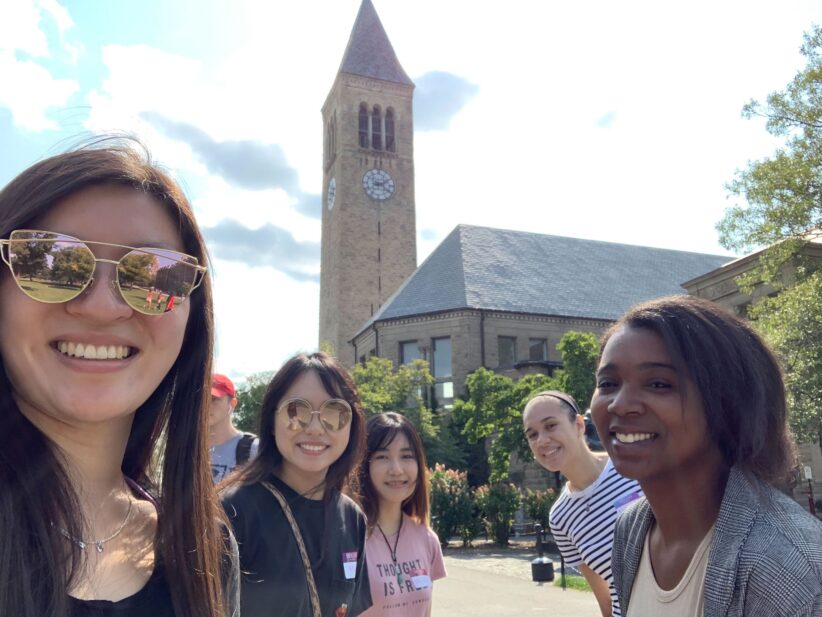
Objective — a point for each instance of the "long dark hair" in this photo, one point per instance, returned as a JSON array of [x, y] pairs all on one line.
[[37, 565], [381, 430], [735, 373], [338, 383]]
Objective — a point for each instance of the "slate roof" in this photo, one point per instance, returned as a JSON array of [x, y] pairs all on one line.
[[369, 52], [515, 271]]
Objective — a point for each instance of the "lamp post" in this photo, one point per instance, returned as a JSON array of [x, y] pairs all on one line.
[[542, 568], [809, 478]]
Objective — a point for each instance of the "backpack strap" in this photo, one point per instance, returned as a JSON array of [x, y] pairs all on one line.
[[243, 452]]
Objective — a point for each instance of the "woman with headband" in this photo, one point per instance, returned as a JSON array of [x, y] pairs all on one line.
[[582, 518]]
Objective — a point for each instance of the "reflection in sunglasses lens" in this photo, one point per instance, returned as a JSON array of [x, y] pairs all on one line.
[[50, 269], [334, 415], [54, 271], [155, 282]]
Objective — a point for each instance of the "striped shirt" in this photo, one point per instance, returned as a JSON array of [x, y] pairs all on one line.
[[582, 523]]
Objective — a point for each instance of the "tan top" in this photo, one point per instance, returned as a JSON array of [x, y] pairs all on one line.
[[684, 600]]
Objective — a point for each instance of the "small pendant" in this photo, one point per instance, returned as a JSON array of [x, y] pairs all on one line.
[[99, 547], [81, 544], [400, 579]]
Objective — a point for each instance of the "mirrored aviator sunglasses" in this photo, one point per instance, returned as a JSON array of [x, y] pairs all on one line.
[[53, 268], [334, 413]]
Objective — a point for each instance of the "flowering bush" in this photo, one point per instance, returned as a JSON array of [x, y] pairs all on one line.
[[499, 502], [452, 505], [538, 505]]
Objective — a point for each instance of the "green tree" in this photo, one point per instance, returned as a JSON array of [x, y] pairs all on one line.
[[404, 389], [29, 258], [383, 388], [493, 409], [792, 322], [136, 269], [72, 265], [782, 210], [580, 353], [782, 192], [250, 395]]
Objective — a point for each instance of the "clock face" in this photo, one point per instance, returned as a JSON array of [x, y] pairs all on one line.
[[332, 192], [378, 184]]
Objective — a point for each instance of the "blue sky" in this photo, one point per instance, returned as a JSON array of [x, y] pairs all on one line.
[[616, 121]]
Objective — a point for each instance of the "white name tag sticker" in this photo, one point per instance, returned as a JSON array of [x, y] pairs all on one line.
[[350, 564], [421, 581]]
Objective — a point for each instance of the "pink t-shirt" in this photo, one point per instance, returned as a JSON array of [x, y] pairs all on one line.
[[419, 556]]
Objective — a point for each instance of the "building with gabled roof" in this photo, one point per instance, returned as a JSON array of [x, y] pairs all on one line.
[[503, 299]]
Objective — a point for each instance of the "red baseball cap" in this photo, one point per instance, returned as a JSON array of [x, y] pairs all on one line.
[[222, 386]]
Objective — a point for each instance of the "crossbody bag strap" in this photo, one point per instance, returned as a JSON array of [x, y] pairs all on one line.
[[309, 574]]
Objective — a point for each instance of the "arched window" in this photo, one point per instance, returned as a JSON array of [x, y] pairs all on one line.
[[363, 125], [376, 128], [390, 144], [333, 136]]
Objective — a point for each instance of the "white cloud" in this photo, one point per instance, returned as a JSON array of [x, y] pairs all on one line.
[[64, 22], [20, 28], [29, 89], [34, 92]]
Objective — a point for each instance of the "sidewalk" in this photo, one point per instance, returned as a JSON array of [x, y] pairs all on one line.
[[497, 583]]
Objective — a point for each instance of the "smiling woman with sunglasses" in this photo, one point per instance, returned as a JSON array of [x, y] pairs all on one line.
[[90, 381], [301, 540]]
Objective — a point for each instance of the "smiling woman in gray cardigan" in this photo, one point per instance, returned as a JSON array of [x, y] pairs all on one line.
[[691, 403]]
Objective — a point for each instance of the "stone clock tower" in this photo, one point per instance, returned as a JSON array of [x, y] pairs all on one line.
[[369, 242]]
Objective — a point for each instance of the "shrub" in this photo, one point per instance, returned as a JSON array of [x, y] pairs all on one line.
[[499, 502], [452, 505], [538, 505], [472, 528]]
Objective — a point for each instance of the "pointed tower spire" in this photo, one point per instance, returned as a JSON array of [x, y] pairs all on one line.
[[369, 52]]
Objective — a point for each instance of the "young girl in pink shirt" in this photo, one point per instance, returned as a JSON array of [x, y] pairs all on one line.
[[403, 554]]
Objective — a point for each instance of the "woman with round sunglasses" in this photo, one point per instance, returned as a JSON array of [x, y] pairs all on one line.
[[301, 540], [690, 402], [583, 516], [100, 397], [402, 552]]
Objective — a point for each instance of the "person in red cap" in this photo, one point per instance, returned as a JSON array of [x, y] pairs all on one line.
[[229, 446]]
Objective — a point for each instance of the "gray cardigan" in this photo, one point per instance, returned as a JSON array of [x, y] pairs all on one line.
[[765, 558]]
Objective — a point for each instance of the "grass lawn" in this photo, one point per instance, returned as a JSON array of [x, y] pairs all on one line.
[[49, 292], [137, 297], [56, 292], [572, 582]]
